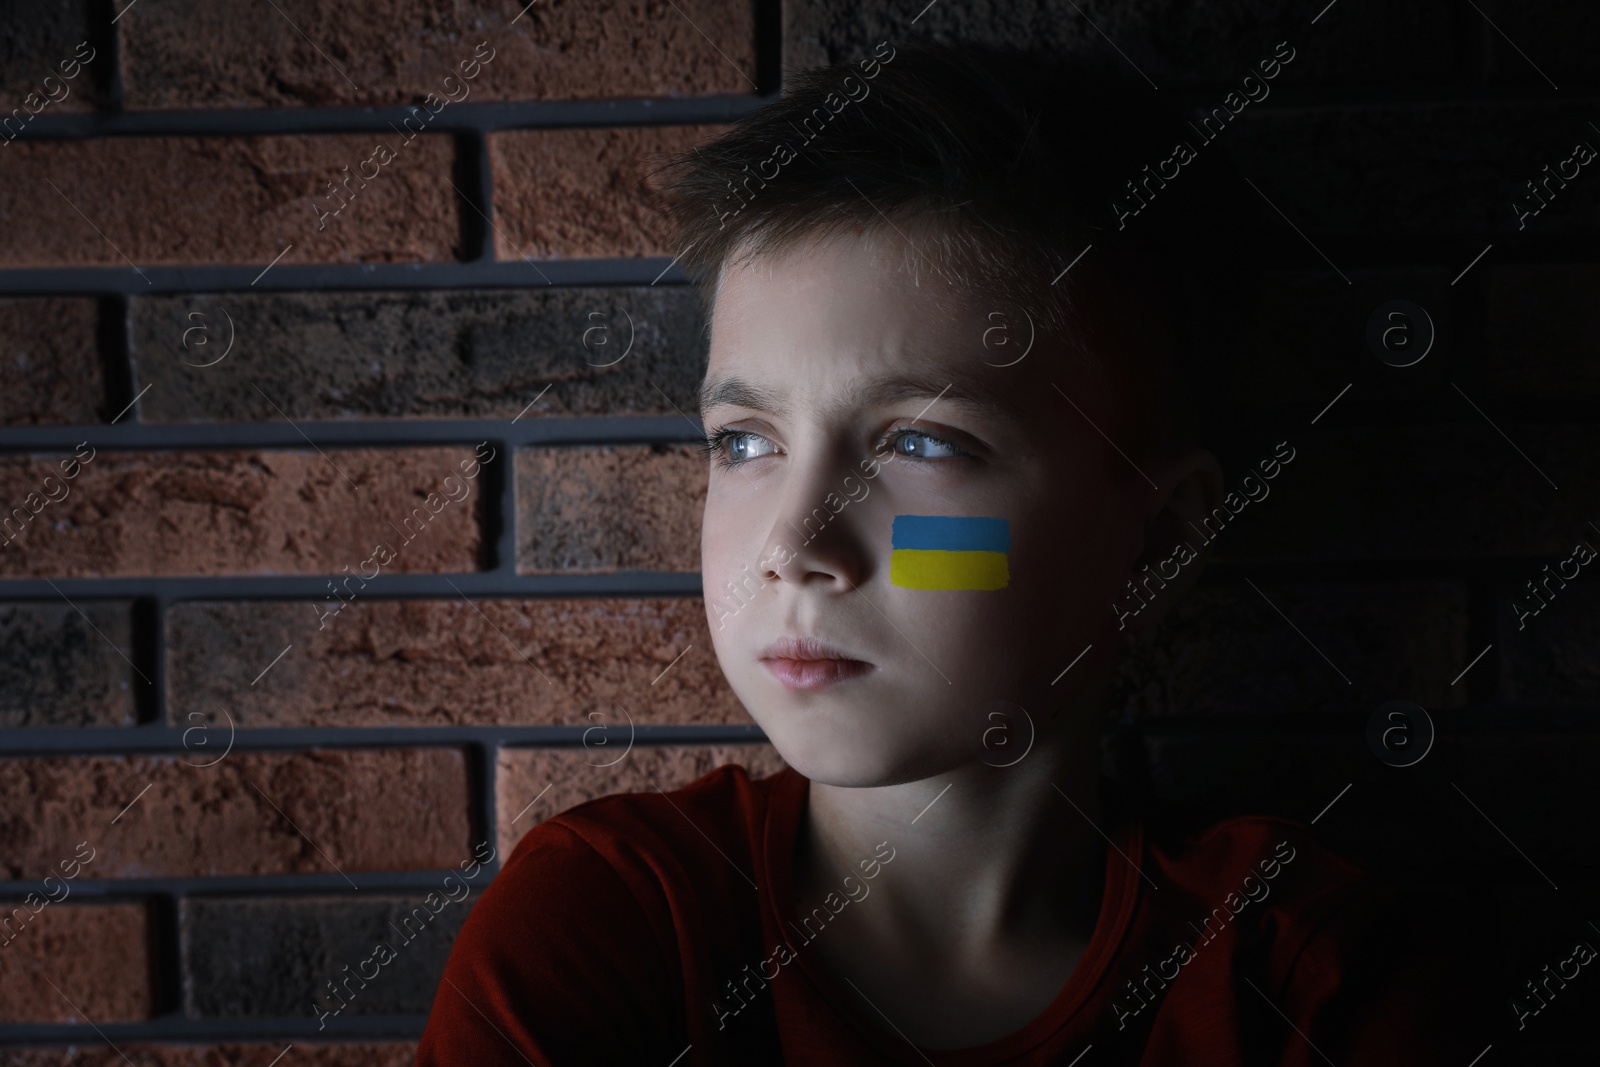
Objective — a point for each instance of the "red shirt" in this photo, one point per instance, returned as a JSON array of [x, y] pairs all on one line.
[[613, 931]]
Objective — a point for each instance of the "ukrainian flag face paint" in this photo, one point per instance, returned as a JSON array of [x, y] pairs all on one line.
[[949, 552]]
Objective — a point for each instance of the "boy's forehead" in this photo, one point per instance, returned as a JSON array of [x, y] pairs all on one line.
[[736, 386], [843, 320], [881, 268]]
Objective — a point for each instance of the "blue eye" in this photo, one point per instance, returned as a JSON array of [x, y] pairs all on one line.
[[931, 448], [728, 448]]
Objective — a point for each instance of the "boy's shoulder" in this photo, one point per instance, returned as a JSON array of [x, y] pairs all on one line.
[[725, 807], [579, 946], [1238, 842], [1367, 944], [1284, 868]]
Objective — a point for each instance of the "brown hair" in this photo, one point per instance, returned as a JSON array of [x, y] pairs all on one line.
[[1006, 167]]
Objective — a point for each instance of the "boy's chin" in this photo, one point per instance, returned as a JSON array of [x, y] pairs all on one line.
[[853, 775]]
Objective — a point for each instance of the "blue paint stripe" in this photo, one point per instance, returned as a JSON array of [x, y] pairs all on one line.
[[954, 533]]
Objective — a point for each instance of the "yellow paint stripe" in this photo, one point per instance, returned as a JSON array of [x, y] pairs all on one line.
[[927, 568]]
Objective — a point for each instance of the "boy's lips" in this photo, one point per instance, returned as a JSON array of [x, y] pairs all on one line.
[[805, 664]]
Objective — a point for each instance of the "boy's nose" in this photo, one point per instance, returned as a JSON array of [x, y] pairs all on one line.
[[819, 529]]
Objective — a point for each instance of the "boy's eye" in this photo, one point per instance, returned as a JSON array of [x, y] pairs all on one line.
[[728, 448], [922, 445]]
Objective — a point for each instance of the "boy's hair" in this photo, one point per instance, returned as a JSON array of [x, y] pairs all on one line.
[[999, 169]]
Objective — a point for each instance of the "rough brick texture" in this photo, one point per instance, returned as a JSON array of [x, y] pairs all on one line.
[[437, 662], [1167, 40], [471, 354], [66, 665], [96, 955], [50, 362], [39, 41], [610, 509], [252, 813], [603, 765], [320, 52], [247, 512], [275, 957], [562, 194], [225, 200]]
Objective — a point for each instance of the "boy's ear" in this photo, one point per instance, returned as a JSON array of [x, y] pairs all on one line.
[[1190, 486]]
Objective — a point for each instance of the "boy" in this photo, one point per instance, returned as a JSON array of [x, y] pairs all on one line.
[[952, 405]]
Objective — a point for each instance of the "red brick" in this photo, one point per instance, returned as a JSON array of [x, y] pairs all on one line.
[[50, 41], [66, 664], [271, 956], [247, 512], [437, 662], [387, 1054], [256, 57], [565, 194], [600, 768], [49, 361], [457, 353], [610, 508], [97, 956], [224, 200], [1204, 44], [365, 810]]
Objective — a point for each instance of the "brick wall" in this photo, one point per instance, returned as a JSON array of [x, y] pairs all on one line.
[[232, 369]]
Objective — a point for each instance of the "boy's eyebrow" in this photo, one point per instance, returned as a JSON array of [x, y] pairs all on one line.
[[736, 392], [970, 389]]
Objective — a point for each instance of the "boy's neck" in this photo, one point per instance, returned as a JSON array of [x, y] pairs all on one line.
[[1002, 856]]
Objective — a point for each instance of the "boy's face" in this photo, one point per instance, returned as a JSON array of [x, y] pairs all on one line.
[[798, 532]]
